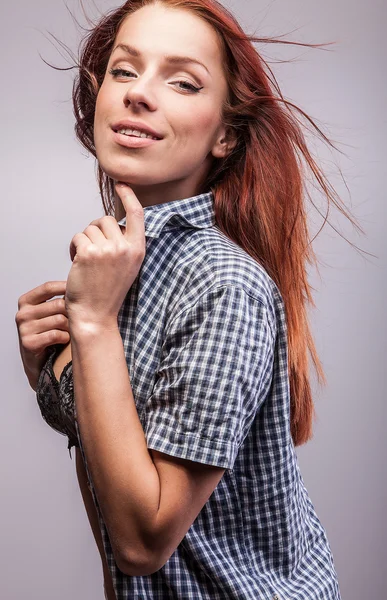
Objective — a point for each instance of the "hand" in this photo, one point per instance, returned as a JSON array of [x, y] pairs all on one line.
[[106, 261], [41, 323]]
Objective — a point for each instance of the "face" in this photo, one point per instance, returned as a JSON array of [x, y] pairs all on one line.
[[151, 91]]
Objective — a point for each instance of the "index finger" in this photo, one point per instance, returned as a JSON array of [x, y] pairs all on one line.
[[134, 230], [42, 292]]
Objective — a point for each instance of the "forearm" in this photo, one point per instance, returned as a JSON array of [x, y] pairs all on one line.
[[124, 476]]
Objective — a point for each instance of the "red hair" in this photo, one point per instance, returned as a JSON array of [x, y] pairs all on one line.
[[258, 189]]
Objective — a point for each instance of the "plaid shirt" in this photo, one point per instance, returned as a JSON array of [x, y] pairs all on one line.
[[204, 332]]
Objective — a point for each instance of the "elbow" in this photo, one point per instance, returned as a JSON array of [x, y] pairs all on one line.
[[144, 554], [138, 570], [139, 564]]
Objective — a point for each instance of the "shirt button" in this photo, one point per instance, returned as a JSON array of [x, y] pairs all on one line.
[[276, 597]]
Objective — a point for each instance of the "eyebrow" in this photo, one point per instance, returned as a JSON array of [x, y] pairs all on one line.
[[170, 59]]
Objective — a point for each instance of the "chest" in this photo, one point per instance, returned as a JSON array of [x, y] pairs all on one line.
[[61, 360]]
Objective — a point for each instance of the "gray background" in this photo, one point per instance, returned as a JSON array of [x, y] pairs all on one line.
[[49, 193]]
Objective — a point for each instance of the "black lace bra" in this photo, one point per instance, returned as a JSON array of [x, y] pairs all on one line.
[[56, 398]]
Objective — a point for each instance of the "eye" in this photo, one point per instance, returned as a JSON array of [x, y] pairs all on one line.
[[116, 72], [191, 87], [123, 73]]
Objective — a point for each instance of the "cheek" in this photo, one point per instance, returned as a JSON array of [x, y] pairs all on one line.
[[199, 125], [101, 116], [99, 107], [105, 101]]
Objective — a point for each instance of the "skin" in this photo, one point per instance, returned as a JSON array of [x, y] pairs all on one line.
[[174, 167], [190, 123], [145, 523]]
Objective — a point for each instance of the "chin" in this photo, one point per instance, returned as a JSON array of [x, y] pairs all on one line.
[[119, 170], [129, 176], [115, 170]]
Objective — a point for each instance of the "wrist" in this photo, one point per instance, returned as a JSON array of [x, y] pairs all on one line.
[[82, 328]]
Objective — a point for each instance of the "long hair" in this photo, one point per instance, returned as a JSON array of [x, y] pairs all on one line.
[[259, 189]]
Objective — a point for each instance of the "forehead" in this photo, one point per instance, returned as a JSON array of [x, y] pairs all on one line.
[[158, 30]]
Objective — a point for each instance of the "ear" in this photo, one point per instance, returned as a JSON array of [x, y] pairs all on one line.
[[225, 142]]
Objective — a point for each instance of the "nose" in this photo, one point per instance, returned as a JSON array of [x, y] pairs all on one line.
[[139, 93]]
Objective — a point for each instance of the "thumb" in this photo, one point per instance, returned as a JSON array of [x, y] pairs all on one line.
[[127, 197], [134, 213]]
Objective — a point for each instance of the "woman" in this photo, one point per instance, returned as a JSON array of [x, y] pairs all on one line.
[[185, 387]]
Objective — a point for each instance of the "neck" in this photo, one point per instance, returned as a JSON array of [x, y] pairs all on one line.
[[149, 195]]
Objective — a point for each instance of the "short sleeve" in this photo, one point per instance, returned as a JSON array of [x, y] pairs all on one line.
[[215, 370]]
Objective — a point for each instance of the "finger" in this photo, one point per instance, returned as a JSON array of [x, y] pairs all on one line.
[[95, 234], [135, 227], [36, 343], [42, 292], [79, 241], [35, 312], [33, 321], [109, 226], [51, 307], [55, 321]]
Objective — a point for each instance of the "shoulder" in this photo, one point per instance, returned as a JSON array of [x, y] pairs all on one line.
[[210, 261]]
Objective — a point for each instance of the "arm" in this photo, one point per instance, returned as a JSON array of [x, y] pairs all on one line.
[[148, 500], [93, 520], [217, 376], [151, 488]]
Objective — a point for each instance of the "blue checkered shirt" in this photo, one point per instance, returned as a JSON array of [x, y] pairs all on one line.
[[204, 333]]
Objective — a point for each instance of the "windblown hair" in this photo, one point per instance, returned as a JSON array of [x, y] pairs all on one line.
[[259, 189]]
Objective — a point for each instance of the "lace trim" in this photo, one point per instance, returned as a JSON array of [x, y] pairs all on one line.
[[56, 398]]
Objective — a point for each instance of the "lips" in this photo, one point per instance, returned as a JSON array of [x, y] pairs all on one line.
[[126, 124], [130, 141]]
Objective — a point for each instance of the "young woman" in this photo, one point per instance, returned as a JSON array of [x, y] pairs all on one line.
[[185, 386]]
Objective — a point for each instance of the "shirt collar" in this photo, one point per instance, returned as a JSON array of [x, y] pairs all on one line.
[[195, 211]]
